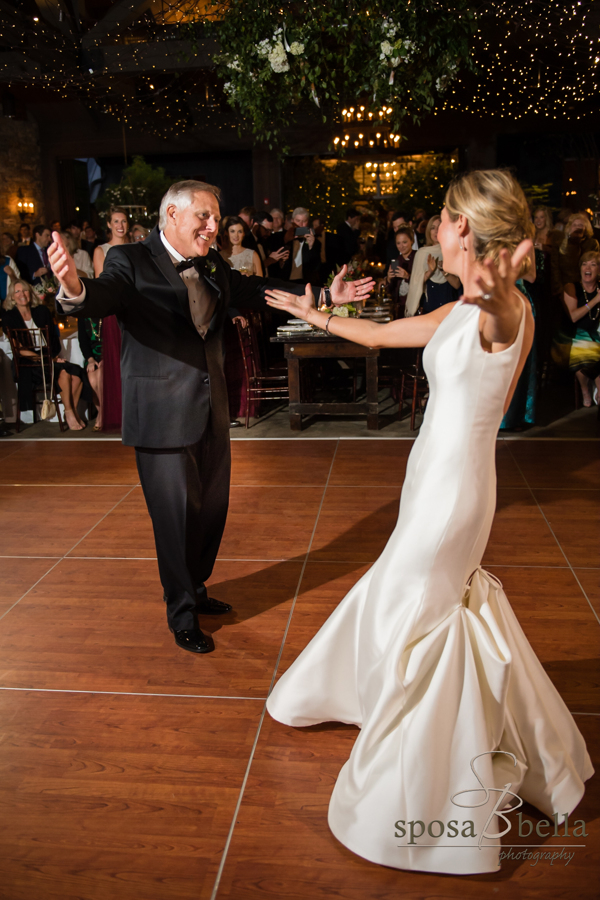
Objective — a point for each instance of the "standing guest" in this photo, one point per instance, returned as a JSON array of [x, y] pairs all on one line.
[[55, 225], [262, 231], [8, 245], [24, 309], [246, 214], [400, 267], [346, 238], [579, 346], [9, 273], [239, 257], [398, 218], [304, 250], [85, 269], [139, 233], [24, 235], [89, 240], [171, 294], [578, 238], [277, 216], [33, 259], [430, 287], [112, 410], [542, 220], [522, 408], [75, 230]]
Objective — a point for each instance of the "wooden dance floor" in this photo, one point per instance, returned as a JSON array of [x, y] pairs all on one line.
[[132, 770]]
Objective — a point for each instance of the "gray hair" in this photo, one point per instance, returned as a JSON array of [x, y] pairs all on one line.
[[277, 212], [180, 195], [299, 211]]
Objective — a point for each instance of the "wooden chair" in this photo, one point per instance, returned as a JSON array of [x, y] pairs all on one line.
[[261, 382], [22, 339], [414, 388]]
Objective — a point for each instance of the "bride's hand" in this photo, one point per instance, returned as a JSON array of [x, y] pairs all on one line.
[[497, 288], [299, 307], [498, 297]]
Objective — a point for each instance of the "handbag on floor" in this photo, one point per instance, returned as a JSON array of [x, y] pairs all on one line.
[[48, 405]]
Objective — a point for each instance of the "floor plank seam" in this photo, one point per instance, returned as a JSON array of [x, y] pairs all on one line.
[[552, 532], [59, 560], [127, 693], [264, 711]]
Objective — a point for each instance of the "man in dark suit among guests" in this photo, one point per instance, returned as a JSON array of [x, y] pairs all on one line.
[[347, 237], [32, 260], [171, 294], [304, 250]]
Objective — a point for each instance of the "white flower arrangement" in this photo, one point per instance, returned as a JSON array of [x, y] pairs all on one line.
[[235, 64], [264, 47], [278, 58], [296, 48], [386, 49]]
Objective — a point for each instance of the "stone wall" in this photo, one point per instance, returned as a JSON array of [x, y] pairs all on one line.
[[20, 168]]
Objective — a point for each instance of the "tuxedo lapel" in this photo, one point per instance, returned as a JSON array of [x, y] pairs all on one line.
[[168, 270]]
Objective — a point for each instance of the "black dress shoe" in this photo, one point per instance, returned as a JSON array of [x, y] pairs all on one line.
[[194, 641], [212, 607]]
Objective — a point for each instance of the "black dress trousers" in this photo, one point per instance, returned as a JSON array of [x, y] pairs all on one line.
[[187, 494]]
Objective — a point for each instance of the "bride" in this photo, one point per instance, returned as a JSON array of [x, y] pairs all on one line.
[[458, 720]]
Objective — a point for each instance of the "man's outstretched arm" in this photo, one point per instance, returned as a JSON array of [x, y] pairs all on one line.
[[93, 298]]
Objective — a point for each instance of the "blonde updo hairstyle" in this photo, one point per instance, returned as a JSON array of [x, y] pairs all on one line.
[[494, 204]]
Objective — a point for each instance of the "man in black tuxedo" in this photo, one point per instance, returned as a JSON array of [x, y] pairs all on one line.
[[170, 294], [32, 260], [347, 237]]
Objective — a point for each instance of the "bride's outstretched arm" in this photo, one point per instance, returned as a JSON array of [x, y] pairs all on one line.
[[414, 332]]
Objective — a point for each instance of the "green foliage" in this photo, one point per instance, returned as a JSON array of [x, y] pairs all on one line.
[[537, 194], [324, 190], [425, 184], [140, 191], [279, 58]]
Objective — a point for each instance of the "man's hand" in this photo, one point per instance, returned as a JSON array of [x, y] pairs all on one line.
[[310, 240], [349, 291], [63, 266], [40, 272], [277, 255], [243, 322]]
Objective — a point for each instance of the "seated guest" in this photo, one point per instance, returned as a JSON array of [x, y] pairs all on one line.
[[33, 259], [23, 309], [346, 238], [304, 251], [24, 235], [400, 267], [578, 238], [89, 333], [82, 259], [542, 220], [430, 287], [139, 233], [239, 257], [578, 346]]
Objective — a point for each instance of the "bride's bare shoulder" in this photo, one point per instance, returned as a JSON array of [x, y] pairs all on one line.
[[441, 312]]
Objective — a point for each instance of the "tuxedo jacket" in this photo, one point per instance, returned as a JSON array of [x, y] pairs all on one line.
[[29, 261], [172, 379]]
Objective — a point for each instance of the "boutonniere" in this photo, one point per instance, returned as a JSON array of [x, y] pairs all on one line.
[[211, 267]]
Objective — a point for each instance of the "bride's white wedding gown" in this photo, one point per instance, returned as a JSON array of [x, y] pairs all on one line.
[[426, 656]]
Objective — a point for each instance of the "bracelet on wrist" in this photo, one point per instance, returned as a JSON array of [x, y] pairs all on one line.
[[328, 323]]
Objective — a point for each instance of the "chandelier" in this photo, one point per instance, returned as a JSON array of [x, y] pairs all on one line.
[[366, 132]]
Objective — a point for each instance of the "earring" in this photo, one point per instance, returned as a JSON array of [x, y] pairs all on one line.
[[460, 244]]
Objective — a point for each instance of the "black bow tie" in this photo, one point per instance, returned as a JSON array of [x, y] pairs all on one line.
[[188, 264]]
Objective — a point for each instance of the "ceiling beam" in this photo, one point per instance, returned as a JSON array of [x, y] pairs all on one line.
[[119, 14]]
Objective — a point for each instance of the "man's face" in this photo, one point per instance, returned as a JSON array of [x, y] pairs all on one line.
[[246, 218], [90, 234], [265, 229], [301, 221], [396, 223], [43, 239], [192, 230], [277, 221], [354, 222], [75, 231]]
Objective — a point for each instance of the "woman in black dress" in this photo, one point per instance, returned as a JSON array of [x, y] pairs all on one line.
[[22, 309]]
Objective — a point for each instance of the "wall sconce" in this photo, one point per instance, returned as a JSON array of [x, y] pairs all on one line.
[[25, 207]]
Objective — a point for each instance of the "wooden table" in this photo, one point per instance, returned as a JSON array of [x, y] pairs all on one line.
[[318, 345]]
